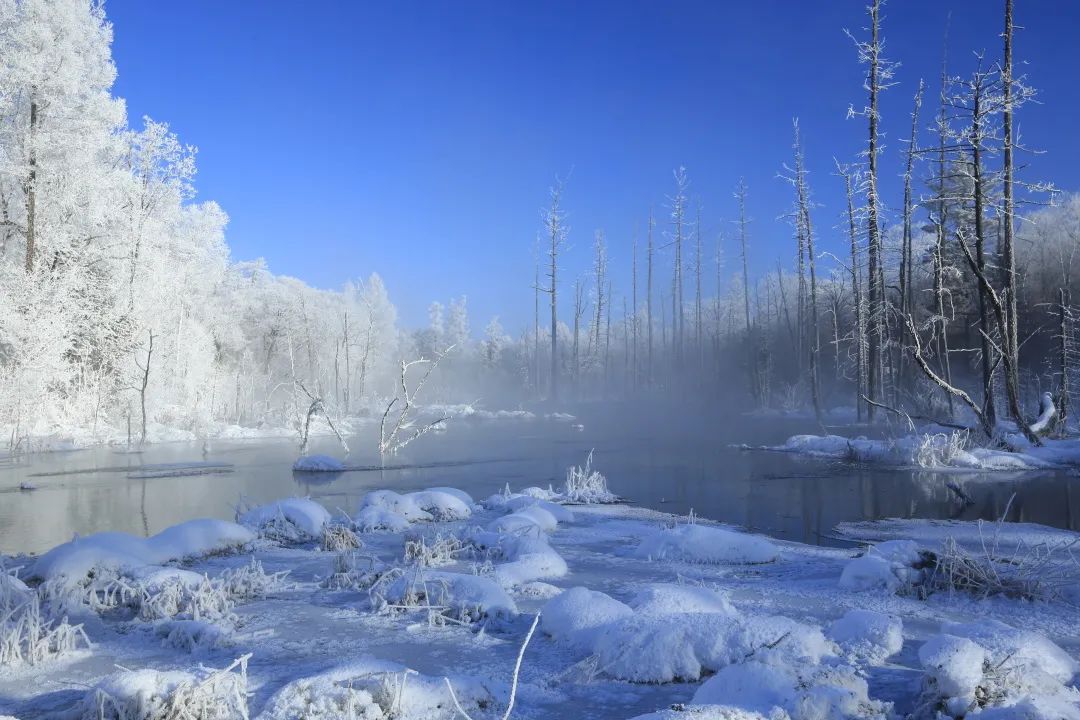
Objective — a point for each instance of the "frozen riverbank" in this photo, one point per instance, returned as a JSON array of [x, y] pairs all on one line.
[[640, 610]]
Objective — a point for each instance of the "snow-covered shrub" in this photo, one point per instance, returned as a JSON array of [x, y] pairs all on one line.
[[353, 571], [171, 695], [1030, 572], [1007, 673], [440, 549], [178, 598], [586, 485], [388, 510], [251, 582], [289, 520], [943, 449], [191, 635], [447, 596], [894, 565], [705, 544], [867, 635], [339, 538], [26, 637], [370, 689]]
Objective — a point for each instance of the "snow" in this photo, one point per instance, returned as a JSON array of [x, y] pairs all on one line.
[[867, 634], [955, 666], [667, 598], [318, 463], [890, 565], [371, 689], [575, 616], [714, 630], [306, 517], [120, 551], [704, 544], [388, 510]]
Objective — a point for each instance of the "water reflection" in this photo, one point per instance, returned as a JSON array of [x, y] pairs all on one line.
[[654, 464]]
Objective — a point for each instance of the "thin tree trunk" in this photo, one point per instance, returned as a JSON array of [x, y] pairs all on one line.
[[31, 189], [876, 294]]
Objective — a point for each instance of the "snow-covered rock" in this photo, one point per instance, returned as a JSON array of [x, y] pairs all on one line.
[[891, 565], [669, 598]]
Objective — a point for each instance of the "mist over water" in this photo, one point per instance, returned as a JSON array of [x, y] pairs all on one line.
[[655, 456]]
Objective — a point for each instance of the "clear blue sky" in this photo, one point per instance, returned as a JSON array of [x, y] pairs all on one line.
[[418, 139]]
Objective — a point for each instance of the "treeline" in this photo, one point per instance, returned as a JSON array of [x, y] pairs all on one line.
[[959, 304]]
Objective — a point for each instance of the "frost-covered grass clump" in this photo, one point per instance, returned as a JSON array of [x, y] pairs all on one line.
[[28, 637], [997, 670], [370, 689], [587, 485], [445, 596], [170, 695]]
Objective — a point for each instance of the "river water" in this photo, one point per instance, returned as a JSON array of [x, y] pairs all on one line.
[[657, 462]]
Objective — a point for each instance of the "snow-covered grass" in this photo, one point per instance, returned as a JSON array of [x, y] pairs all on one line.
[[704, 544], [584, 484], [289, 520]]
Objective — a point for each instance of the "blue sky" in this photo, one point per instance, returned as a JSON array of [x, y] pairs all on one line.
[[418, 139]]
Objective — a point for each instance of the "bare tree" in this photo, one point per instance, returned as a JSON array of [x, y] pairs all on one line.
[[859, 329], [805, 230], [740, 195], [144, 368], [556, 230], [678, 222], [877, 79], [390, 442], [649, 298]]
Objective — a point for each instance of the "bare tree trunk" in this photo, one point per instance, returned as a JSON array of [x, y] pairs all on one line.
[[144, 383], [648, 299], [859, 331], [1011, 289], [987, 362], [579, 311], [556, 235], [740, 194], [31, 189], [348, 366], [697, 293], [806, 232], [536, 328], [907, 300], [876, 294], [940, 227], [634, 303]]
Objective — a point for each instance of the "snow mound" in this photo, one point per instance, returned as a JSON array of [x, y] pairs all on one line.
[[792, 691], [291, 519], [682, 646], [519, 520], [574, 616], [868, 635], [892, 565], [369, 689], [391, 511], [520, 502], [318, 463], [668, 598], [464, 597], [703, 544], [120, 551]]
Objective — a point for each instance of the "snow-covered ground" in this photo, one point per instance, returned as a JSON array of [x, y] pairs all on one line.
[[418, 605]]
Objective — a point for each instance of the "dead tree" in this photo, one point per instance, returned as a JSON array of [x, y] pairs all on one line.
[[740, 195], [877, 79], [697, 291], [678, 222], [144, 382], [315, 407], [940, 232], [805, 231], [579, 312], [859, 330], [30, 192], [556, 230], [907, 300], [390, 442], [648, 300]]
